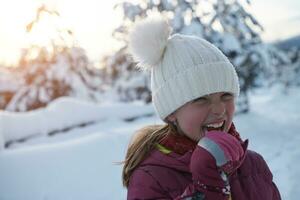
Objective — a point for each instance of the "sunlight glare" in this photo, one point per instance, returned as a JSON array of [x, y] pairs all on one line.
[[92, 22]]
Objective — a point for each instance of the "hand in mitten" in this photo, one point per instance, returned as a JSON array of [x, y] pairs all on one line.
[[228, 152], [216, 152]]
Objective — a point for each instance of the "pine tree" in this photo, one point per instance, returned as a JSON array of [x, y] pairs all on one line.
[[54, 69], [10, 81], [290, 76]]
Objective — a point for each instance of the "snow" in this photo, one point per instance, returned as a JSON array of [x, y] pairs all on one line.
[[194, 28], [8, 83], [64, 113], [230, 43], [80, 163], [272, 129], [79, 169], [67, 73], [131, 10]]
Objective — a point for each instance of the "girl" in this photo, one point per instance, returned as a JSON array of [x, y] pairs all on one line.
[[197, 154]]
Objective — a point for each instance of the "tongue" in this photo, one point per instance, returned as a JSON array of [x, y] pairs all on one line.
[[213, 129]]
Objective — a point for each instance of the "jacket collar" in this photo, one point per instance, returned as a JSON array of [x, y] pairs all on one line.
[[181, 144], [180, 149]]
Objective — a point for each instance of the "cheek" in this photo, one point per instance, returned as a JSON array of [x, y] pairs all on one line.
[[192, 120], [230, 109]]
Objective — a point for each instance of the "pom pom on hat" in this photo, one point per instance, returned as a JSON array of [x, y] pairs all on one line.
[[148, 40]]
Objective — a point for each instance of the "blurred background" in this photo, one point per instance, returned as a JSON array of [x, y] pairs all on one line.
[[71, 97]]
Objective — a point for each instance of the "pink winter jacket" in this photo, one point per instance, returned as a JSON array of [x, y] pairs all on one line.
[[167, 176]]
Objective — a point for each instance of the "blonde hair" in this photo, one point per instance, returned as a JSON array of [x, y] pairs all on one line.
[[143, 141]]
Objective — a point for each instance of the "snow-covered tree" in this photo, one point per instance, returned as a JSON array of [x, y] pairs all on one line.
[[293, 75], [127, 83], [10, 81], [54, 68], [225, 23]]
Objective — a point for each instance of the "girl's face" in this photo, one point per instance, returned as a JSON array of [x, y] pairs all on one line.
[[210, 112]]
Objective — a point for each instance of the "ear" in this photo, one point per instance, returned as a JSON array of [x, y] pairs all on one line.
[[171, 118]]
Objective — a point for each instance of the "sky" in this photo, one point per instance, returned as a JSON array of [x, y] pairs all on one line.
[[93, 22]]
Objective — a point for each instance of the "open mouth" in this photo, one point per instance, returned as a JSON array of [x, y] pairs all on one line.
[[220, 126]]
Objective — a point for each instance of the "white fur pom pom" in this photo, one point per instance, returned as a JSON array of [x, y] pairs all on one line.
[[148, 40]]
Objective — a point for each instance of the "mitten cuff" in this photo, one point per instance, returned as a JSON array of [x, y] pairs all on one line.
[[214, 149]]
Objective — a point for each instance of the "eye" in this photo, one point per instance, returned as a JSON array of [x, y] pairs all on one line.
[[201, 100], [227, 96]]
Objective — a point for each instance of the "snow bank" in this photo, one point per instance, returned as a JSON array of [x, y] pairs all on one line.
[[83, 168], [64, 113]]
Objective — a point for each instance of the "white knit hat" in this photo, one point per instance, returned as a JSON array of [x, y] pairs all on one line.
[[183, 67]]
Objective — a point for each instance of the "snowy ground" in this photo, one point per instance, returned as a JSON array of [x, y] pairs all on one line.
[[81, 163]]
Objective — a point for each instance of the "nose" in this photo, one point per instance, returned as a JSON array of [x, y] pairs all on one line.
[[218, 108]]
